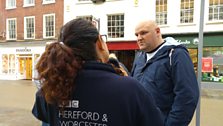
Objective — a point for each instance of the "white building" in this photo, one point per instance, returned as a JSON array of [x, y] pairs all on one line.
[[177, 18]]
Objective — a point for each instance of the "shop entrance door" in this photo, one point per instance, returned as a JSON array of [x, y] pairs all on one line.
[[25, 66]]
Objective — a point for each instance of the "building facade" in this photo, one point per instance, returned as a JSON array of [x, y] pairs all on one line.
[[179, 19], [117, 19], [26, 25]]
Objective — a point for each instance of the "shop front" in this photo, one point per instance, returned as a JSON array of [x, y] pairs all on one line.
[[125, 51], [212, 50], [17, 59]]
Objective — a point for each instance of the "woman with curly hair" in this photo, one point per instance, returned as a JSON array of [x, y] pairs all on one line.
[[79, 87]]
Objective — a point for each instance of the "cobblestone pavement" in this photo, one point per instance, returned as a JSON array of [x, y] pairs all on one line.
[[17, 98]]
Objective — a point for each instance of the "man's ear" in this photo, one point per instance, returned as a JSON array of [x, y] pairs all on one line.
[[158, 30]]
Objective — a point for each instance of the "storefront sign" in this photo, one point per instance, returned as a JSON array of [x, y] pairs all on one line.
[[207, 64], [189, 42], [23, 50]]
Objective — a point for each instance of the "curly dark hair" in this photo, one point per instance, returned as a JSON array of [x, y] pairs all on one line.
[[59, 64]]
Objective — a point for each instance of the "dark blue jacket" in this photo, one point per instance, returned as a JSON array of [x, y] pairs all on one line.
[[102, 98], [170, 77]]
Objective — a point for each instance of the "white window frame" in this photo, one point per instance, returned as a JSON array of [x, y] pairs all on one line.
[[162, 12], [86, 17], [44, 25], [8, 6], [188, 12], [48, 1], [117, 29], [26, 4], [25, 27], [7, 29], [218, 12]]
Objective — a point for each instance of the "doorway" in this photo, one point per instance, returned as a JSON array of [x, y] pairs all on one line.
[[25, 67]]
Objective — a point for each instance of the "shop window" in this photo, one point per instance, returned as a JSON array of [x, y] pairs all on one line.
[[193, 55], [115, 26], [11, 64], [5, 64], [216, 75], [8, 64], [161, 12]]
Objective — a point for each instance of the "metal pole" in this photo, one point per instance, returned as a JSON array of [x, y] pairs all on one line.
[[200, 54]]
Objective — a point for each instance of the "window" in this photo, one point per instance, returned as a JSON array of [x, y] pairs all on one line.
[[11, 29], [186, 11], [115, 26], [29, 2], [216, 53], [48, 1], [48, 25], [215, 10], [161, 12], [11, 63], [29, 27], [10, 4], [88, 17], [5, 64]]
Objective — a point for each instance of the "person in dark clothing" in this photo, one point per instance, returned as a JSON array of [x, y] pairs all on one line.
[[79, 87], [165, 69], [119, 66]]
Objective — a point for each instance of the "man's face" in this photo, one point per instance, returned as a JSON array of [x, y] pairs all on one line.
[[146, 37]]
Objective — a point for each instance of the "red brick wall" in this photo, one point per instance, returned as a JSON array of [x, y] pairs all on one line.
[[2, 19], [38, 11]]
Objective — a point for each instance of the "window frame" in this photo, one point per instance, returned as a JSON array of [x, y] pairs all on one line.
[[7, 29], [26, 4], [187, 11], [25, 27], [114, 28], [162, 14], [86, 17], [44, 25], [9, 6], [218, 6], [48, 1]]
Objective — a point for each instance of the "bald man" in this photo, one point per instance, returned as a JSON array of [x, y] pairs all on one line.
[[165, 69]]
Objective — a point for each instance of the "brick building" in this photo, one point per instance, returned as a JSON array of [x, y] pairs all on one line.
[[26, 25]]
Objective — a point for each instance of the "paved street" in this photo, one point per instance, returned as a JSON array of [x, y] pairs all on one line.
[[17, 98]]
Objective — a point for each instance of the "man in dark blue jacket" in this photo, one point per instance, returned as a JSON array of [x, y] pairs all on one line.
[[164, 68]]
